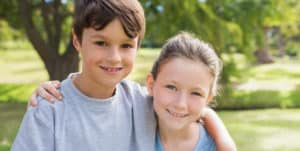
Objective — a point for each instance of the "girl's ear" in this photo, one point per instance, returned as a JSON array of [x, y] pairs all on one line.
[[76, 42], [149, 84], [209, 98]]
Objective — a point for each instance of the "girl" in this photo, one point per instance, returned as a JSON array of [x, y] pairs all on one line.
[[182, 82]]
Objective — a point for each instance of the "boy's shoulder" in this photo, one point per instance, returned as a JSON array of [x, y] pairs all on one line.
[[45, 106], [134, 88]]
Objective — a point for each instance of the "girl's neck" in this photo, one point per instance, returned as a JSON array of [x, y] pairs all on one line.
[[179, 139]]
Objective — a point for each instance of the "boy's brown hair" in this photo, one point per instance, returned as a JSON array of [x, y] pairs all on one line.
[[99, 13]]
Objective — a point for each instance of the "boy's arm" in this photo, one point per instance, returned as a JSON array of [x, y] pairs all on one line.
[[36, 131], [218, 131]]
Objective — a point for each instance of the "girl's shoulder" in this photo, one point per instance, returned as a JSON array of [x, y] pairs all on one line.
[[205, 142]]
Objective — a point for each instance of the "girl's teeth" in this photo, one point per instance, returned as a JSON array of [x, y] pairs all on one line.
[[176, 114]]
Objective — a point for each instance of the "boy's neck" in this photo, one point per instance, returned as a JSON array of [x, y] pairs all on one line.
[[92, 89]]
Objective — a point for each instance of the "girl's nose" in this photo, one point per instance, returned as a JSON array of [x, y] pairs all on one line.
[[181, 101]]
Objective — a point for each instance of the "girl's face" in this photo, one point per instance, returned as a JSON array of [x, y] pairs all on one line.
[[180, 92]]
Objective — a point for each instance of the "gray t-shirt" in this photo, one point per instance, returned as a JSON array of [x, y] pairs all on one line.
[[124, 122]]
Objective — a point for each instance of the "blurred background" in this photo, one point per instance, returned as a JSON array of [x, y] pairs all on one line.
[[258, 41]]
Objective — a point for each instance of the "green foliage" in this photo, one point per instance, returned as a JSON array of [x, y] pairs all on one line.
[[16, 92], [7, 32], [9, 11], [194, 16], [259, 99]]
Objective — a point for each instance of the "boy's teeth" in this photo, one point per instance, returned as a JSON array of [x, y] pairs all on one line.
[[111, 69]]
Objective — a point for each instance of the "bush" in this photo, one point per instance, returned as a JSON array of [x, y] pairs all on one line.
[[239, 99]]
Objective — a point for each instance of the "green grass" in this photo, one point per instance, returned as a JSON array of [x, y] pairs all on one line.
[[15, 92], [11, 115], [21, 66], [282, 75], [143, 65], [264, 130]]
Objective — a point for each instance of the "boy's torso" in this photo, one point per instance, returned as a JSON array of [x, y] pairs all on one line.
[[123, 122]]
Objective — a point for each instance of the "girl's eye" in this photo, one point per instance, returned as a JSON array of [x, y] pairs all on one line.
[[126, 46], [100, 43], [196, 93], [171, 87]]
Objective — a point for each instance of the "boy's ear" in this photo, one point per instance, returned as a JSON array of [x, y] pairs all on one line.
[[149, 84], [75, 41]]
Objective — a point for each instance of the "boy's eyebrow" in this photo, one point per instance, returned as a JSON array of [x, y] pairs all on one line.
[[97, 35]]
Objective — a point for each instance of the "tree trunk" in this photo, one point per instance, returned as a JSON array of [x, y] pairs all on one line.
[[58, 65], [262, 54], [280, 42]]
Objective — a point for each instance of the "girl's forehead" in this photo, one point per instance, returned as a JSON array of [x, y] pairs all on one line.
[[184, 68]]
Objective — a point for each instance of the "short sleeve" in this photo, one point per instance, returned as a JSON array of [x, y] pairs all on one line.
[[37, 129]]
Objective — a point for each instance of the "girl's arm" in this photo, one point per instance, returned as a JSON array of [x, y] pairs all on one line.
[[46, 90], [218, 131]]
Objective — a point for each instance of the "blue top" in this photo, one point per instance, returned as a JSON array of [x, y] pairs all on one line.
[[205, 142]]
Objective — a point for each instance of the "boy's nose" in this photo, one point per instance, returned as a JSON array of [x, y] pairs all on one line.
[[114, 55]]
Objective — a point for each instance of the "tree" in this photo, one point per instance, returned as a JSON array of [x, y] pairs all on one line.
[[166, 18], [44, 22]]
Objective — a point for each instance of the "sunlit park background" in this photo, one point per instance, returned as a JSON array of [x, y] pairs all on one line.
[[258, 41]]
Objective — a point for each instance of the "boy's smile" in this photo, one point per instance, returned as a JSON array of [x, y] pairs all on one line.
[[108, 56], [111, 70]]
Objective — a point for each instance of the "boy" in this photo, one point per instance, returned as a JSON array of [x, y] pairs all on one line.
[[99, 111]]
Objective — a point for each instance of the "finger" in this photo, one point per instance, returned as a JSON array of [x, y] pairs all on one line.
[[44, 94], [52, 89], [56, 83], [32, 100]]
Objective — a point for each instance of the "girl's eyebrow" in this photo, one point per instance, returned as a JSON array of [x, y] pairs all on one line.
[[200, 90]]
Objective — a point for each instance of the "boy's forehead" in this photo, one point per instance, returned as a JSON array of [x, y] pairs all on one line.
[[106, 35]]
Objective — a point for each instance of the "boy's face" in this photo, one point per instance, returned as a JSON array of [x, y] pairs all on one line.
[[180, 92], [107, 55]]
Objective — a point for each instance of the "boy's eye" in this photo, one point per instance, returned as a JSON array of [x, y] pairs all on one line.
[[101, 43], [171, 87], [126, 46]]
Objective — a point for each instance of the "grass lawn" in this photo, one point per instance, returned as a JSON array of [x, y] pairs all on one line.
[[264, 130], [11, 115]]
